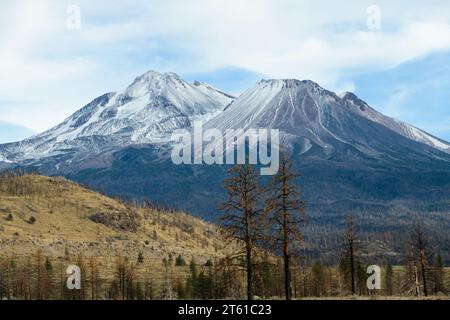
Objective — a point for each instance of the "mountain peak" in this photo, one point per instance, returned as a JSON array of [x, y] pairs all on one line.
[[147, 111], [156, 104], [153, 74], [304, 109], [308, 86], [153, 83], [347, 95], [290, 82], [350, 96]]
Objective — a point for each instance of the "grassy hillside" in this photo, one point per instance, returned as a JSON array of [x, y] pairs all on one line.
[[66, 220], [52, 218]]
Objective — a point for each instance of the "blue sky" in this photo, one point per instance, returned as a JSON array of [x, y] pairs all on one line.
[[13, 132], [48, 71]]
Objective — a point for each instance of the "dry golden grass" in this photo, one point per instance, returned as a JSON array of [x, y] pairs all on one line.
[[62, 210]]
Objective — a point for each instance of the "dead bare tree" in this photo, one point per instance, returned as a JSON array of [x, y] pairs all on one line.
[[419, 246], [242, 216], [285, 216], [94, 277], [349, 262]]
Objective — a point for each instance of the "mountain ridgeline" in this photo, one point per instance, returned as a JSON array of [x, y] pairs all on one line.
[[352, 158]]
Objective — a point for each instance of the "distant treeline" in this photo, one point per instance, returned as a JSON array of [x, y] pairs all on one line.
[[268, 223], [40, 277]]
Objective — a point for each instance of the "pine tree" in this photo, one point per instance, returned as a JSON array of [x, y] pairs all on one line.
[[285, 216], [438, 273], [93, 277], [179, 261], [48, 265], [124, 277], [349, 262], [40, 275], [140, 294], [140, 258], [82, 266], [192, 281], [318, 279], [419, 247], [242, 216], [208, 263], [180, 289], [48, 277], [389, 271], [149, 289]]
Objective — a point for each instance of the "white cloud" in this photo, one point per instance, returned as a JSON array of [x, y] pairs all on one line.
[[60, 70], [395, 102]]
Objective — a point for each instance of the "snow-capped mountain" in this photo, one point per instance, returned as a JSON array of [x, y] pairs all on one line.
[[148, 111], [402, 128], [350, 155], [304, 110]]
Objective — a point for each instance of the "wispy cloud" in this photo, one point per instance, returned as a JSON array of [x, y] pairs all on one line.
[[60, 70], [10, 132]]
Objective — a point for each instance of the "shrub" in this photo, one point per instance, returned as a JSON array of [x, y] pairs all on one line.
[[208, 263], [31, 220], [179, 261], [140, 258]]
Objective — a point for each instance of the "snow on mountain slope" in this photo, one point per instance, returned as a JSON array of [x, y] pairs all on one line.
[[299, 109], [271, 103], [304, 111], [402, 128], [192, 100], [156, 104], [148, 111]]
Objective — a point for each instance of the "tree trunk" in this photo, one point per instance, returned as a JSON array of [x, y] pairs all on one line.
[[417, 282], [249, 275], [352, 267], [424, 278], [249, 258], [287, 277], [287, 258]]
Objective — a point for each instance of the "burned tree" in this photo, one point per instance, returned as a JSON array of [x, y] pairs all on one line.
[[242, 216], [419, 253], [285, 216], [389, 274], [349, 262], [438, 275]]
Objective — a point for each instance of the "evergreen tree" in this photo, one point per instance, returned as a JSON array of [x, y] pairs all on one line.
[[192, 281], [349, 262], [438, 273], [389, 273], [48, 265], [318, 279], [419, 254], [179, 261], [140, 258]]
